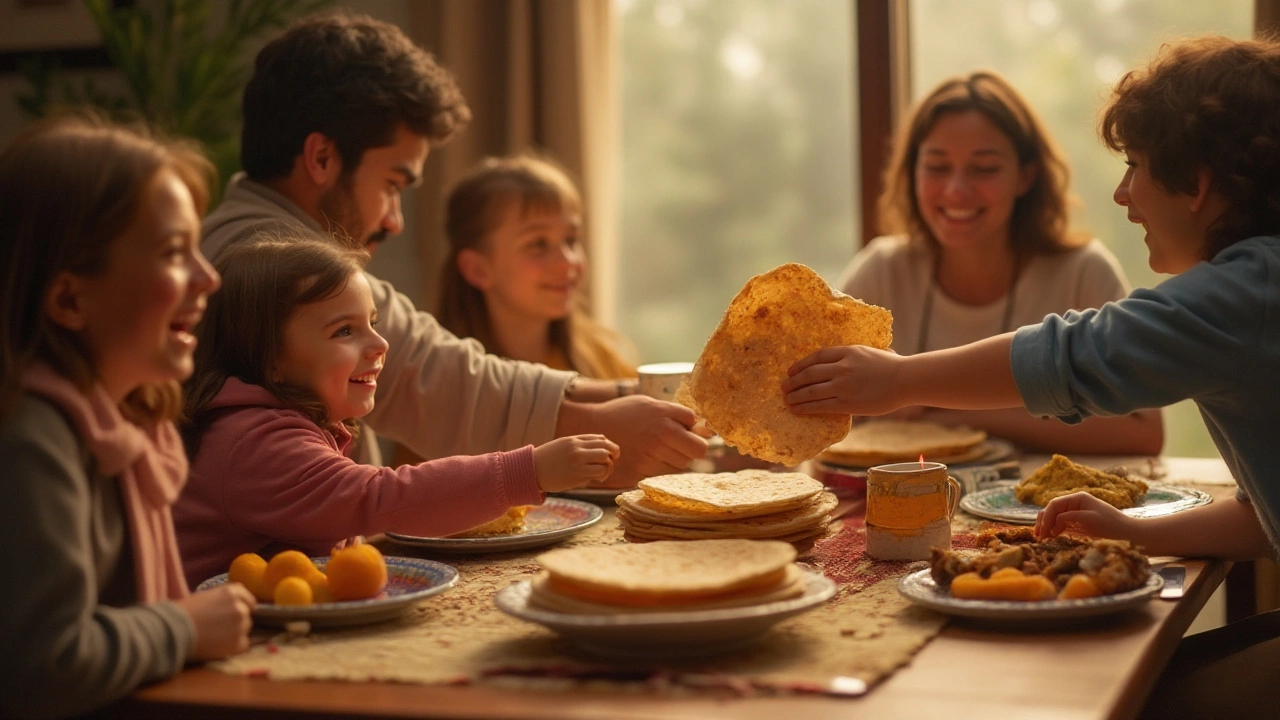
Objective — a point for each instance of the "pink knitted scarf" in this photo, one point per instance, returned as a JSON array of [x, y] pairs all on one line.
[[149, 464]]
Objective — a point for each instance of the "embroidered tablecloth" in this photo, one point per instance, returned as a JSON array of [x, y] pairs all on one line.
[[857, 639]]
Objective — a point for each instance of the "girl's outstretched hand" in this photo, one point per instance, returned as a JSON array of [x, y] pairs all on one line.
[[222, 620], [574, 461], [848, 380], [1085, 514]]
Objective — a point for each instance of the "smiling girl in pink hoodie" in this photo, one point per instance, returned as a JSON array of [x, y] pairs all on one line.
[[288, 359]]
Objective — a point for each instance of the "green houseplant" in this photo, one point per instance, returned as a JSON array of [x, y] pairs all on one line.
[[184, 64]]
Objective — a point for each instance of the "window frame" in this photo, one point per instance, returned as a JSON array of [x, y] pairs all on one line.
[[884, 88]]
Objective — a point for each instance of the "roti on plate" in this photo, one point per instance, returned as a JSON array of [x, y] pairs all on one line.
[[875, 442], [742, 494], [540, 594], [667, 573], [776, 319]]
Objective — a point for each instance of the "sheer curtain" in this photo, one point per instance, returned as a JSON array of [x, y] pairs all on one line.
[[536, 74]]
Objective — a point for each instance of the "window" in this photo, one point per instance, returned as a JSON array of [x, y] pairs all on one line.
[[738, 154], [1062, 55]]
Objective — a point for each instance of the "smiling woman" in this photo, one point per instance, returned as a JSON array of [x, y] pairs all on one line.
[[977, 244]]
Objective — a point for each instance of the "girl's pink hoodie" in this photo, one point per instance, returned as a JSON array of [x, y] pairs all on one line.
[[265, 478]]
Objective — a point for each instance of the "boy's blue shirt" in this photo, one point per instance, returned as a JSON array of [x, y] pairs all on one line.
[[1210, 334]]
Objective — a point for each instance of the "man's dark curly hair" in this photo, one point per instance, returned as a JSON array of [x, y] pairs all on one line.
[[353, 79], [1207, 103]]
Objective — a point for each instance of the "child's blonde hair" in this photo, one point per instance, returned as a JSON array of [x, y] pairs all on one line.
[[474, 209], [69, 188]]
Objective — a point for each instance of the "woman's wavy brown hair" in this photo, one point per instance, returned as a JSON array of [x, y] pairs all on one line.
[[264, 282], [69, 188], [1207, 104], [1039, 223], [475, 207]]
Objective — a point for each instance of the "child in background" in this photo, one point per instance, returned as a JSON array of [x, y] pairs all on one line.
[[103, 284], [1200, 128], [978, 243], [516, 267], [288, 359]]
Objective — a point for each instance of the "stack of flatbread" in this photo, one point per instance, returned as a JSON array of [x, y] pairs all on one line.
[[666, 576], [876, 442], [754, 504]]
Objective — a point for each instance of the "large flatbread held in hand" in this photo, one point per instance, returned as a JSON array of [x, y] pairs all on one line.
[[776, 319]]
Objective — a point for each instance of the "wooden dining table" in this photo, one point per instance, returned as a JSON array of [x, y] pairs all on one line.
[[1100, 669]]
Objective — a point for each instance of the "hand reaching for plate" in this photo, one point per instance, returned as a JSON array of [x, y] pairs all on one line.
[[1084, 514]]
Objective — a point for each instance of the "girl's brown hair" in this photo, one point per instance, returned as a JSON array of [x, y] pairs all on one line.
[[264, 282], [1207, 104], [1039, 223], [474, 209], [69, 187]]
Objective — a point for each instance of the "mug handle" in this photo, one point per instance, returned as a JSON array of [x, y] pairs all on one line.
[[954, 490]]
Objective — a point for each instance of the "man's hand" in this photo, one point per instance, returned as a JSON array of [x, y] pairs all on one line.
[[654, 436]]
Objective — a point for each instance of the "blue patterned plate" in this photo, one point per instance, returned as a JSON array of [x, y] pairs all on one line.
[[552, 521], [409, 580], [1000, 504]]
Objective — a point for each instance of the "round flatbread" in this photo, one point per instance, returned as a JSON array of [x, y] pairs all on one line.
[[636, 505], [666, 573], [876, 442], [777, 319], [542, 595], [743, 493]]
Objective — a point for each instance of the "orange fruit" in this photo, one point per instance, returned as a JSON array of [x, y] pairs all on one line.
[[356, 572], [289, 563], [292, 591], [247, 569], [319, 587]]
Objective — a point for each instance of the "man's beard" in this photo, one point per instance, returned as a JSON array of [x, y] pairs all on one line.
[[376, 239], [338, 208]]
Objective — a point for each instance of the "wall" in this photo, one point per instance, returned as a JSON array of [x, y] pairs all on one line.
[[64, 26]]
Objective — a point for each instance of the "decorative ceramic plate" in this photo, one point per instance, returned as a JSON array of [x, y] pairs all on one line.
[[409, 580], [595, 495], [669, 634], [919, 587], [553, 521], [999, 503]]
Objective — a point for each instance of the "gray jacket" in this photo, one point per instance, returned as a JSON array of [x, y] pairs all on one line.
[[72, 636]]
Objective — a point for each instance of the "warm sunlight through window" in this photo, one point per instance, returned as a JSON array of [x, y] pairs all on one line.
[[738, 155]]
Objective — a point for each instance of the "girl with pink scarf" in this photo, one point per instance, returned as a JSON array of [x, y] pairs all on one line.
[[103, 284]]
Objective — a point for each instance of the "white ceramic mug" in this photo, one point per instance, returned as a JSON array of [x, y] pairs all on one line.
[[662, 380]]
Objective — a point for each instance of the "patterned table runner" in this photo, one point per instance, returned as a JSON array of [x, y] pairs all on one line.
[[861, 636]]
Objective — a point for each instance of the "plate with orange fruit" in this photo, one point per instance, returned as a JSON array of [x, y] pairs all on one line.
[[355, 585]]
